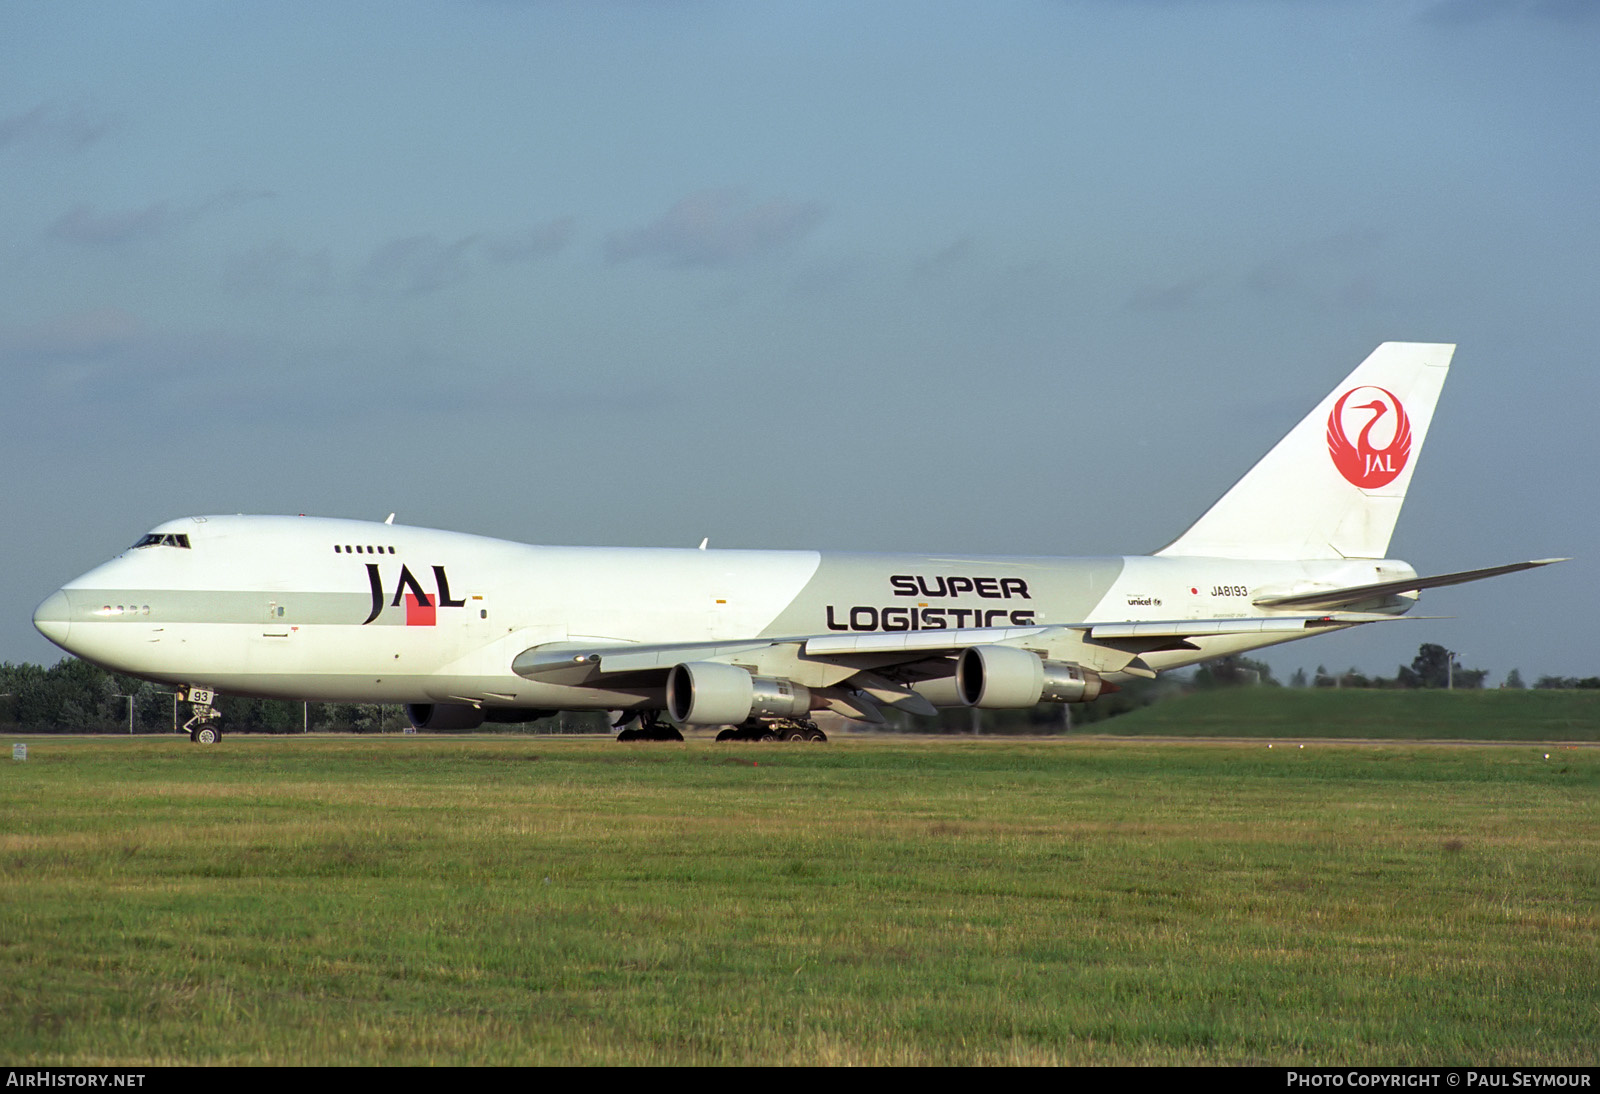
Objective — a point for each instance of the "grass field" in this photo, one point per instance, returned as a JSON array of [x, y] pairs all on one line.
[[1494, 715], [889, 900]]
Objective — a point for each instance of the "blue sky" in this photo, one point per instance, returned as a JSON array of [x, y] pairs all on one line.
[[1032, 278]]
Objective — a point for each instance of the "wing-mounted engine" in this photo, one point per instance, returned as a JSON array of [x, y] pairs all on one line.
[[1005, 677], [710, 693]]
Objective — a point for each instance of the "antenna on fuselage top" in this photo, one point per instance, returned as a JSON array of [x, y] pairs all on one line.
[[704, 542], [389, 519]]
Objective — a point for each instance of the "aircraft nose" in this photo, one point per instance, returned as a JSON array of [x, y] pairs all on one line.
[[53, 618]]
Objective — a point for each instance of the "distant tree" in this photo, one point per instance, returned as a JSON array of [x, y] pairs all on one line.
[[1514, 680], [1587, 682], [1323, 679], [1232, 672], [1432, 668], [1353, 678], [1298, 680], [1429, 669], [17, 681]]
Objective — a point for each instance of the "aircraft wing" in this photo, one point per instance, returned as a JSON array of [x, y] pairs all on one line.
[[860, 672], [542, 662], [881, 648], [1355, 594]]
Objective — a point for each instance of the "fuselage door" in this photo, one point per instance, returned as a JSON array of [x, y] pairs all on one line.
[[277, 619]]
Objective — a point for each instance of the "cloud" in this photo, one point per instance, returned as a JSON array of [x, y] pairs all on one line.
[[87, 227], [279, 268], [83, 336], [418, 264], [956, 254], [83, 225], [1339, 268], [716, 228], [52, 125], [534, 242], [424, 263], [1342, 269], [1176, 297], [109, 357]]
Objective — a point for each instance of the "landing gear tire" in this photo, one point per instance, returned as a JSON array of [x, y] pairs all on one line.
[[205, 735], [651, 728], [785, 729]]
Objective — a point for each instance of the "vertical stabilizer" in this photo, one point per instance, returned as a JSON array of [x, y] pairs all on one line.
[[1333, 487]]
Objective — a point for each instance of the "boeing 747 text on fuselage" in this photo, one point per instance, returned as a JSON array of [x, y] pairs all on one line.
[[463, 629]]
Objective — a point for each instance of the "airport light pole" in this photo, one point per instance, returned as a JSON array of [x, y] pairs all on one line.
[[174, 707], [120, 695]]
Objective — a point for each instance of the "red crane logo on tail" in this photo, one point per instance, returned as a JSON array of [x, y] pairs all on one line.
[[1362, 463]]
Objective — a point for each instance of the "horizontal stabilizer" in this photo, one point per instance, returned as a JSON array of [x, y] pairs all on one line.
[[1355, 594]]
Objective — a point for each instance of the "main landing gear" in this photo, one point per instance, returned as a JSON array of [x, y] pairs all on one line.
[[650, 728], [777, 729]]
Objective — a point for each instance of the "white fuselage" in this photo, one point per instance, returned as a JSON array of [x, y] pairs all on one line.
[[324, 609]]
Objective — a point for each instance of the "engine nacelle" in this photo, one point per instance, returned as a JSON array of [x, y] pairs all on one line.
[[1068, 683], [706, 693], [941, 691], [1004, 677], [444, 716]]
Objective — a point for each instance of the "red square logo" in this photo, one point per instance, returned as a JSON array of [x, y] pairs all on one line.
[[420, 613]]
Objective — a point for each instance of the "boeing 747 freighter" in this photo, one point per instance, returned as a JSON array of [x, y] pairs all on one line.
[[463, 629]]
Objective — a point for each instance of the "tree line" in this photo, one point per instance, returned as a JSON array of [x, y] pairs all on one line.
[[74, 696], [1433, 667]]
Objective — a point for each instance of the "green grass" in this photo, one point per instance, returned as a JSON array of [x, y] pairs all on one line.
[[517, 901], [1532, 715]]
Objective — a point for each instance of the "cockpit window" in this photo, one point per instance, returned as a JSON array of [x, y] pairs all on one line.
[[167, 540]]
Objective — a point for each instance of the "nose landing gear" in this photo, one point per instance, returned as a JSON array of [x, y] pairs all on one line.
[[205, 726]]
